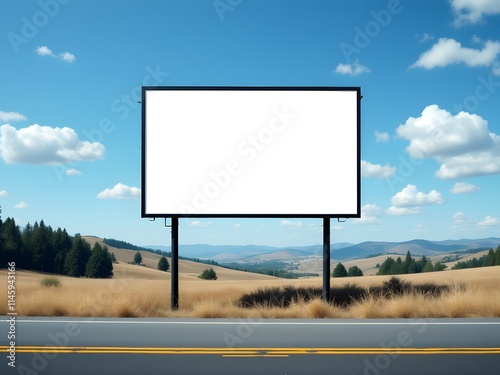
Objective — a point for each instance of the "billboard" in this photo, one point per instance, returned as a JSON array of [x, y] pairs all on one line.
[[251, 151]]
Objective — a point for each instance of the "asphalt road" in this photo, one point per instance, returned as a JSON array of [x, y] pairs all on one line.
[[167, 346]]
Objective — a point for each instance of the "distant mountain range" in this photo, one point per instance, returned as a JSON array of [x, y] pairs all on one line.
[[339, 251]]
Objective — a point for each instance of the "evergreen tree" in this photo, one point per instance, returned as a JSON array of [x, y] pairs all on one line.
[[61, 242], [11, 243], [386, 266], [339, 271], [163, 264], [208, 275], [99, 264], [354, 271], [429, 267], [138, 258], [76, 260], [113, 258]]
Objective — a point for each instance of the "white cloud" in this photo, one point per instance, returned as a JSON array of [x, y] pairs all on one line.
[[489, 221], [381, 137], [21, 205], [464, 187], [411, 197], [369, 214], [448, 51], [369, 170], [403, 211], [73, 172], [462, 143], [351, 69], [46, 51], [237, 226], [3, 193], [288, 223], [66, 56], [120, 191], [46, 145], [472, 11], [461, 221], [11, 116], [200, 224]]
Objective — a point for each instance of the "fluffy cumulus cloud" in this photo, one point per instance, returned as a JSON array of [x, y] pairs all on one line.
[[448, 51], [473, 11], [120, 191], [489, 221], [462, 143], [46, 146], [354, 69], [411, 197], [11, 116], [369, 170], [370, 214], [464, 187], [46, 51]]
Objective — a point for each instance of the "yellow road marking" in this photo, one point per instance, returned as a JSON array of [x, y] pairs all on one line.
[[248, 352]]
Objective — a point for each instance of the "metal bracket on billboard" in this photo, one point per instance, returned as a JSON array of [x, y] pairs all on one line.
[[341, 219]]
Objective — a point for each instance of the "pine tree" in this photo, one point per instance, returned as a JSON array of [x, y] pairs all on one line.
[[386, 266], [11, 243], [138, 258], [61, 242], [163, 264], [77, 258], [99, 264], [354, 271], [339, 271]]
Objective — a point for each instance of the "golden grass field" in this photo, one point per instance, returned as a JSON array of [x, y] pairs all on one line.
[[143, 291]]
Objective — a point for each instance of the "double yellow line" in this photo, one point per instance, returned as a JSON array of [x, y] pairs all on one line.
[[249, 352]]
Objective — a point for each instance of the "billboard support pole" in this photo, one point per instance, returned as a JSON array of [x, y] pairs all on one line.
[[326, 260], [174, 284]]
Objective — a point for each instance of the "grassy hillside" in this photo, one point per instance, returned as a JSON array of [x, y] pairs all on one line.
[[187, 269]]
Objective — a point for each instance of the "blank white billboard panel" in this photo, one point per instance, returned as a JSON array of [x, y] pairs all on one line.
[[250, 152]]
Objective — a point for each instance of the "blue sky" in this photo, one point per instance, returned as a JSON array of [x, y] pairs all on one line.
[[70, 125]]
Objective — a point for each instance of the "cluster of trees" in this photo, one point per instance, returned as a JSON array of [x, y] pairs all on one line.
[[488, 260], [38, 247], [341, 271], [409, 265]]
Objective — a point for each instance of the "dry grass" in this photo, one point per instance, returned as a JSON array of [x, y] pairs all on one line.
[[143, 292]]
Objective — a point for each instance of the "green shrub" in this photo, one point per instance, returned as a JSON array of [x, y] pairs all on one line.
[[208, 275], [50, 282]]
